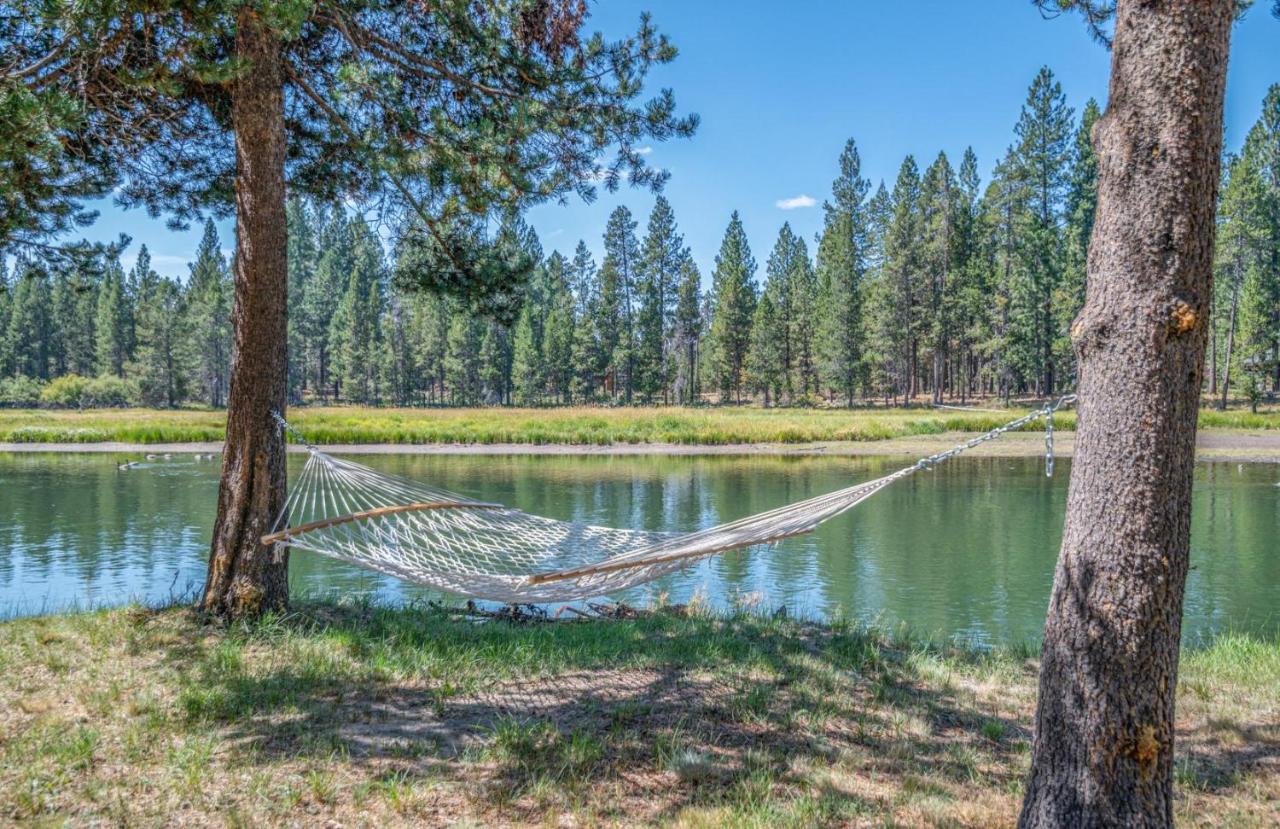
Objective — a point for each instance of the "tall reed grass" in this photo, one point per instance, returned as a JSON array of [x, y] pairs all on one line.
[[570, 425]]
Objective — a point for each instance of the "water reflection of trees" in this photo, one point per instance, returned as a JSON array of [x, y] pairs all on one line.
[[966, 549]]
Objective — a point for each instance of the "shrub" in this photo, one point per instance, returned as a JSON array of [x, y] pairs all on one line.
[[108, 391], [19, 392], [65, 392]]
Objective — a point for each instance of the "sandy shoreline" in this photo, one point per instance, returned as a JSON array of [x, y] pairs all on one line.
[[1218, 445]]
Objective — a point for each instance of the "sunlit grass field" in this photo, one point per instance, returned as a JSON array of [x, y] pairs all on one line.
[[359, 715], [574, 426]]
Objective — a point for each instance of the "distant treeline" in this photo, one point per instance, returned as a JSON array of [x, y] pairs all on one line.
[[936, 286]]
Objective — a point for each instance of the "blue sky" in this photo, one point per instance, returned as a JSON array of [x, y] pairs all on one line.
[[780, 87]]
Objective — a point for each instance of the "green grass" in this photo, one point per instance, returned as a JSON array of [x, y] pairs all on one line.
[[366, 716], [577, 426]]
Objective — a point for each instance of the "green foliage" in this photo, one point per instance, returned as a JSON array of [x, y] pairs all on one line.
[[1040, 166], [207, 313], [28, 332], [67, 391], [734, 289], [355, 331], [158, 363], [898, 320], [944, 287], [766, 360], [71, 391], [107, 391], [687, 334], [661, 258], [618, 279], [112, 322], [843, 260], [20, 391]]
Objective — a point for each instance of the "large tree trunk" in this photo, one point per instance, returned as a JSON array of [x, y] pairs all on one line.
[[244, 576], [1103, 752]]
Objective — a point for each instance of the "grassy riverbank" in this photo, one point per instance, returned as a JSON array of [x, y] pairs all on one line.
[[569, 426], [371, 716]]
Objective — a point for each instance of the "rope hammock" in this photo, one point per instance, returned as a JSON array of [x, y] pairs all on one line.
[[487, 551]]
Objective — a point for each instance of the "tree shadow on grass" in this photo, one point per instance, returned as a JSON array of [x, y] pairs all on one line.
[[656, 714]]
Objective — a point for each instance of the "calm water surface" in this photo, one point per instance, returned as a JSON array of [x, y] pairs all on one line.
[[965, 552]]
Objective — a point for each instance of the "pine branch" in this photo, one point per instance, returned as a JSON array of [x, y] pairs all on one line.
[[342, 124]]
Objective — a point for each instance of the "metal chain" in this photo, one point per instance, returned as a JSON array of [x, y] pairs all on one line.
[[1048, 431], [1046, 413], [1048, 442], [294, 433]]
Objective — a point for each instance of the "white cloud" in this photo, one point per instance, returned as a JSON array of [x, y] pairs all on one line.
[[796, 202], [645, 150]]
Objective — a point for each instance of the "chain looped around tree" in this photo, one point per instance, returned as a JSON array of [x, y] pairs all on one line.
[[1046, 413], [1048, 431], [293, 433]]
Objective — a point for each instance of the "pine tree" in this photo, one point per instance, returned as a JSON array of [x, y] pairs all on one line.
[[447, 110], [462, 361], [971, 285], [765, 367], [495, 363], [782, 270], [354, 333], [6, 305], [29, 332], [658, 275], [1079, 209], [74, 299], [1263, 145], [427, 334], [1241, 259], [589, 358], [802, 288], [111, 321], [734, 289], [1103, 750], [1004, 210], [899, 322], [558, 332], [208, 320], [842, 269], [302, 264], [158, 362], [139, 283], [530, 372], [398, 364], [939, 216], [321, 295], [1041, 158], [617, 301], [687, 332]]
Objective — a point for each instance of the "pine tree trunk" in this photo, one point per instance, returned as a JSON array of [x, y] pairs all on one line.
[[1103, 751], [244, 577], [1213, 360], [1231, 336]]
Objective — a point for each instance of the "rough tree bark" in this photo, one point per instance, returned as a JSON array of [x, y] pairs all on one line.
[[1103, 752], [244, 578]]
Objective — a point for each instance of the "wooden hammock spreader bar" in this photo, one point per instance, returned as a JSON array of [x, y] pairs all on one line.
[[293, 532], [611, 567]]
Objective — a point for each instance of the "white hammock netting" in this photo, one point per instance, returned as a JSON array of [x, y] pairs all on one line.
[[479, 550]]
